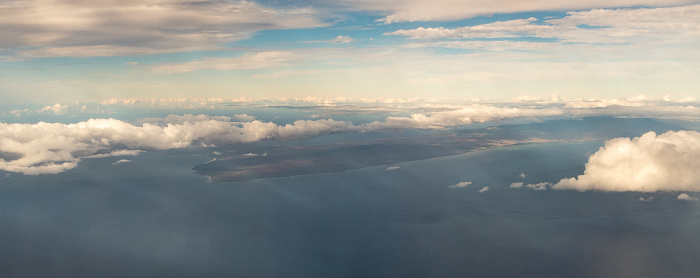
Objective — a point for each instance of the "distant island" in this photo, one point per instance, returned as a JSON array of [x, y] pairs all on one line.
[[273, 161]]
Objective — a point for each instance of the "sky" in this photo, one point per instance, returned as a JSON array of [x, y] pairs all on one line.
[[66, 51]]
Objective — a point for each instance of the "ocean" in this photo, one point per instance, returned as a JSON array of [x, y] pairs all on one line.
[[153, 216]]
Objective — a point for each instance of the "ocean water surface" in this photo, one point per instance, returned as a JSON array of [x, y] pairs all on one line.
[[153, 216]]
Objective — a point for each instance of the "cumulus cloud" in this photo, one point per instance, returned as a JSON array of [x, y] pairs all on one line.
[[392, 168], [53, 147], [650, 163], [343, 39], [43, 148], [186, 118], [57, 109], [486, 188], [121, 161], [108, 28], [517, 185], [686, 197], [687, 108], [244, 117], [472, 114], [461, 184], [539, 186]]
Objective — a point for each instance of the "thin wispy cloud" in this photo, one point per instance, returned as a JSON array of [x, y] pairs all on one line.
[[121, 161], [109, 28], [538, 186], [247, 61], [517, 185], [443, 10], [339, 39]]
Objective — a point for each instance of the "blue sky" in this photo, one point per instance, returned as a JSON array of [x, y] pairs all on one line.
[[65, 51]]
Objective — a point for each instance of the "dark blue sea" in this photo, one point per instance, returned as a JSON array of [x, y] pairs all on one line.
[[154, 217]]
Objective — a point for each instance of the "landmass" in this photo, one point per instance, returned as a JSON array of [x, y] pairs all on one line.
[[272, 161]]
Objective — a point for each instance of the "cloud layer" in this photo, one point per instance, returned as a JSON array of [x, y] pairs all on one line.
[[593, 26], [650, 163], [463, 116], [427, 10], [247, 61], [53, 147], [52, 28]]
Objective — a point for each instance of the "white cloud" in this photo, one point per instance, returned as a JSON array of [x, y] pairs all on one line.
[[179, 103], [114, 153], [121, 161], [461, 184], [244, 117], [107, 28], [516, 185], [19, 112], [639, 106], [650, 163], [343, 39], [189, 118], [441, 10], [249, 155], [539, 186], [646, 199], [457, 110], [392, 168], [498, 29], [686, 197], [488, 45], [486, 188], [57, 109], [53, 147], [609, 26], [472, 114], [623, 25]]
